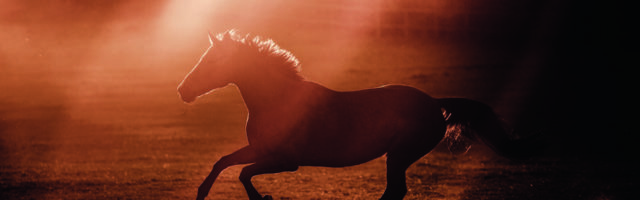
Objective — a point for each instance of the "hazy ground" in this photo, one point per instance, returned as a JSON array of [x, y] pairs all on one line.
[[90, 111]]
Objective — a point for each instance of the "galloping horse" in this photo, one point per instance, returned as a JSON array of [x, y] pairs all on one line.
[[294, 122]]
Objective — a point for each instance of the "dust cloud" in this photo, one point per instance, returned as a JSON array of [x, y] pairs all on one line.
[[89, 109]]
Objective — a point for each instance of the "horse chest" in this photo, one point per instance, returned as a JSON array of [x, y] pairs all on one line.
[[270, 132]]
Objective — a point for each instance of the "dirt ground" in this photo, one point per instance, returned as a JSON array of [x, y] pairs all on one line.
[[91, 113]]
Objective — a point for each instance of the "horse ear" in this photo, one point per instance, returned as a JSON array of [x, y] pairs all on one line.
[[211, 38]]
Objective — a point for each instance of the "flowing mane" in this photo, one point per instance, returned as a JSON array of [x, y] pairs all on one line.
[[268, 52]]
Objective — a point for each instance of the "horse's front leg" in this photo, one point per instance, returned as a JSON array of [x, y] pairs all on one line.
[[244, 155], [264, 166]]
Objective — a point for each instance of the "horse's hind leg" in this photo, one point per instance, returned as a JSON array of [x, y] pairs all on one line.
[[398, 161], [242, 156], [396, 178], [262, 167]]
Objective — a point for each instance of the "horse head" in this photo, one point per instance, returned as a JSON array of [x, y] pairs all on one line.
[[211, 71], [234, 58]]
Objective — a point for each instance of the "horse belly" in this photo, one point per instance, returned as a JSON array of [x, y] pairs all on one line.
[[340, 152], [350, 142]]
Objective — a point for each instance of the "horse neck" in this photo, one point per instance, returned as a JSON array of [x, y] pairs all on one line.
[[268, 91]]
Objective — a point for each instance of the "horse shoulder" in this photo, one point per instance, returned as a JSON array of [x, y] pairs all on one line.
[[274, 129]]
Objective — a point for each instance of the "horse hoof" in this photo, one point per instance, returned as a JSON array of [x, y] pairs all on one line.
[[267, 197]]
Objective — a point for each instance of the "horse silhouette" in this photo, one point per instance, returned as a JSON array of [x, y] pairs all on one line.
[[294, 122]]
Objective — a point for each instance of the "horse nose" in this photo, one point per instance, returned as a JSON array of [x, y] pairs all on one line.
[[186, 98], [184, 94]]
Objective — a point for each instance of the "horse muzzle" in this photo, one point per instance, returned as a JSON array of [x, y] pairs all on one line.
[[186, 95]]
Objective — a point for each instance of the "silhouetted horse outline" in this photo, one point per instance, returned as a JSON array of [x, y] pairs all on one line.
[[294, 122]]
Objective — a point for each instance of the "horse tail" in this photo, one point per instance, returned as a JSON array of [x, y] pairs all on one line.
[[468, 121]]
